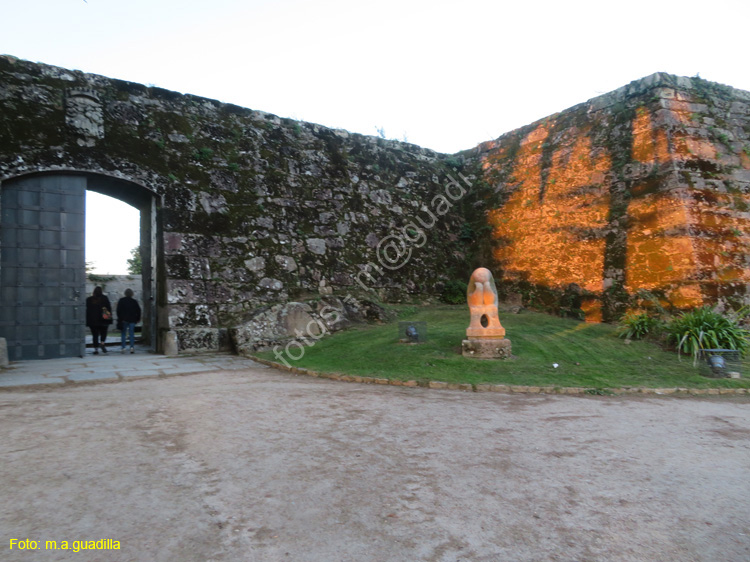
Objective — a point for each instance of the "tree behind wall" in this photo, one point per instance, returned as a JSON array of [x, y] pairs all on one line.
[[135, 264]]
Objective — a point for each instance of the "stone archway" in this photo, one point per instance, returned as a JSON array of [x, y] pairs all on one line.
[[42, 267]]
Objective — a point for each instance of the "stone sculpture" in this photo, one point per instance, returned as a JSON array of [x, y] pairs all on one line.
[[482, 298], [485, 335]]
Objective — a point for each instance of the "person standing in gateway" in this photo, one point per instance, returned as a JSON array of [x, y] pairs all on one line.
[[98, 318], [128, 315]]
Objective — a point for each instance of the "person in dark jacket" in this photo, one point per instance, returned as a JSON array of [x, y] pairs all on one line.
[[98, 318], [128, 315]]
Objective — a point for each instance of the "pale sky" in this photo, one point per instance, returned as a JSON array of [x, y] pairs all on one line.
[[444, 75], [112, 231]]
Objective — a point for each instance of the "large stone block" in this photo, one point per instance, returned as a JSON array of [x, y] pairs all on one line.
[[3, 353], [198, 340], [170, 345]]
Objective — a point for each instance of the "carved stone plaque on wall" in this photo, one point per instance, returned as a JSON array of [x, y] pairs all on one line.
[[83, 113]]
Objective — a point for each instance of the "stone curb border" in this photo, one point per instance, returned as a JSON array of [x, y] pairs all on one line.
[[67, 383], [503, 388]]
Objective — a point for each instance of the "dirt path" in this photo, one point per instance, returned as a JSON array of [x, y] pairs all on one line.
[[271, 467]]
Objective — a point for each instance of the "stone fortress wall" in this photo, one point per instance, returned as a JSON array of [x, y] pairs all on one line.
[[641, 189], [251, 209], [637, 196]]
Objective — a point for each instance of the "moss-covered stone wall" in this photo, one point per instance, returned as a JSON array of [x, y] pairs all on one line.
[[252, 209]]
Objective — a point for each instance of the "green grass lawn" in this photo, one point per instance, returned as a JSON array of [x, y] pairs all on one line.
[[588, 355]]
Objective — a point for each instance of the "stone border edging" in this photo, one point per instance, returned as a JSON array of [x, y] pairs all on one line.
[[502, 388]]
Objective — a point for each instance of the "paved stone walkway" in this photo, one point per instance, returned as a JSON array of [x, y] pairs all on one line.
[[114, 367]]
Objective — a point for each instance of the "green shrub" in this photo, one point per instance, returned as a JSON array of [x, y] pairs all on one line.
[[454, 162], [203, 154], [638, 325], [454, 292], [705, 328]]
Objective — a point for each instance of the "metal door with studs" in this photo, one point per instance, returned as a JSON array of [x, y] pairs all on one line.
[[42, 267]]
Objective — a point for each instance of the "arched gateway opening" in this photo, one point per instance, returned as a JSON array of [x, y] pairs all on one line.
[[42, 264]]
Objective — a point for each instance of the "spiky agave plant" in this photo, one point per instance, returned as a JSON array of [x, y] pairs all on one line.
[[705, 328]]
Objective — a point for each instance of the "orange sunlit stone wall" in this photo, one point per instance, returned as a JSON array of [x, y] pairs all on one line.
[[685, 238], [716, 209], [660, 249], [647, 189], [650, 144], [551, 227], [721, 245]]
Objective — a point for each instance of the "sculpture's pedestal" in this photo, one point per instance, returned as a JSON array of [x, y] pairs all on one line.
[[486, 348]]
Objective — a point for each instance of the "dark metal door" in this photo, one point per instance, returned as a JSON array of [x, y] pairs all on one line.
[[42, 268]]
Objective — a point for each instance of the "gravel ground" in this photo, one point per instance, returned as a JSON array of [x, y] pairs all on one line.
[[267, 466]]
